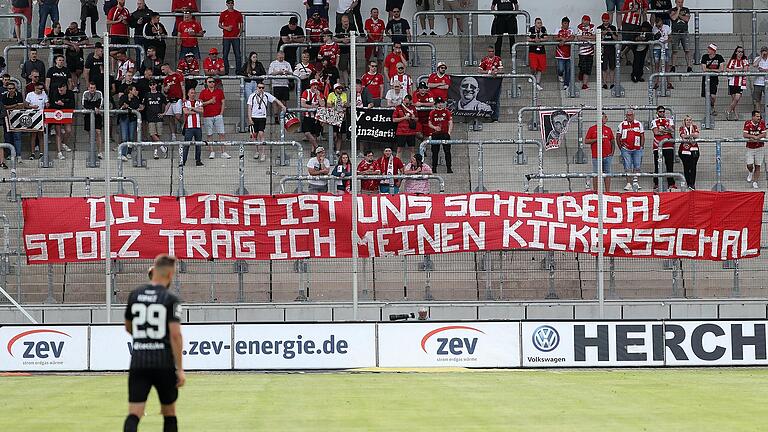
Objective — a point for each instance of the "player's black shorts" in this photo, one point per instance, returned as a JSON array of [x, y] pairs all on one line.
[[140, 381]]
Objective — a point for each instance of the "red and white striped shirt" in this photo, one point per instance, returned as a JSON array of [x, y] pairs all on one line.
[[586, 48], [630, 134], [632, 10], [688, 146], [662, 123], [192, 120], [737, 65], [312, 99]]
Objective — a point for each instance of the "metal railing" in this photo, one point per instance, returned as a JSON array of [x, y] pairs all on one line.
[[139, 51], [25, 23], [413, 59], [85, 180], [470, 61], [565, 176], [391, 177]]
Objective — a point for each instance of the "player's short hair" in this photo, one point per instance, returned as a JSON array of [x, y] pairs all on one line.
[[163, 265]]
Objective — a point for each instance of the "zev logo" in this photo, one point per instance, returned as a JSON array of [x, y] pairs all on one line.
[[40, 348], [546, 338], [455, 345]]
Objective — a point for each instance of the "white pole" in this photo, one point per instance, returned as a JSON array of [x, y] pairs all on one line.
[[353, 159], [107, 178], [600, 179], [18, 306]]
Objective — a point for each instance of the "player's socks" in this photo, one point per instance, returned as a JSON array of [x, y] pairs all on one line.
[[131, 423], [169, 424]]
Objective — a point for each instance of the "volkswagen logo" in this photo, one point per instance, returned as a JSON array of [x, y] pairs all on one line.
[[546, 338]]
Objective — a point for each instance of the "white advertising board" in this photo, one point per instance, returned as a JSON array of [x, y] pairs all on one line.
[[464, 344], [206, 347], [304, 346], [715, 343], [43, 348]]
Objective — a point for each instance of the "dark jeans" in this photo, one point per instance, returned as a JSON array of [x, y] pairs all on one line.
[[15, 139], [192, 134], [689, 167], [127, 132], [669, 163], [89, 11], [638, 63], [46, 11], [235, 45]]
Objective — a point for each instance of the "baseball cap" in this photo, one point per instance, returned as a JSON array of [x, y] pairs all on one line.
[[338, 85], [439, 64], [213, 51], [423, 85], [586, 18], [189, 54], [314, 82], [712, 46], [320, 149], [605, 16]]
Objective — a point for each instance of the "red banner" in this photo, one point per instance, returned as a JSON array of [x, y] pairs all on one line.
[[695, 225], [59, 116]]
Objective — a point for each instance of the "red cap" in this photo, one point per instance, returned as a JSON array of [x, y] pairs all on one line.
[[605, 16], [213, 51], [586, 18]]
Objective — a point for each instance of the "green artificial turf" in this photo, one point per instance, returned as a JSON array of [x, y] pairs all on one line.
[[729, 399]]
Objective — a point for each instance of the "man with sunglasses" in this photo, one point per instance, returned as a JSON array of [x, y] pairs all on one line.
[[399, 30], [258, 103], [403, 78], [491, 64], [439, 82], [663, 128], [316, 26], [213, 100], [374, 82]]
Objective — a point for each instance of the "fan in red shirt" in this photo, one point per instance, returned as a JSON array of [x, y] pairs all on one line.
[[607, 146], [439, 82], [389, 164], [213, 65], [407, 124], [189, 31], [393, 58], [330, 49], [231, 24], [423, 99], [374, 82], [172, 83], [441, 125], [374, 28], [754, 129], [315, 27], [368, 166], [491, 64], [181, 6], [188, 65], [117, 20]]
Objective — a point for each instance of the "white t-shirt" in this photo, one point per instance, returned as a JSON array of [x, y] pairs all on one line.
[[394, 98], [343, 6], [275, 68], [665, 32], [260, 103], [314, 163], [761, 63], [38, 100]]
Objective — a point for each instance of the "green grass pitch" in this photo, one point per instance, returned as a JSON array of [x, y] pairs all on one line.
[[728, 399]]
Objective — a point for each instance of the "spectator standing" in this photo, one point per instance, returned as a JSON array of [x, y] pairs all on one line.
[[193, 111], [252, 68], [46, 9], [455, 5], [395, 95], [343, 171], [213, 102], [318, 166], [38, 99], [34, 80], [189, 67], [391, 5], [680, 15], [394, 58], [330, 49], [316, 28], [633, 14], [57, 74], [94, 66], [426, 6], [661, 33], [631, 143], [389, 164], [666, 7], [23, 7], [13, 100], [754, 129], [563, 52], [363, 97], [231, 24], [319, 7], [608, 60], [407, 125], [368, 166], [342, 37], [586, 34], [93, 99], [152, 61], [439, 82], [338, 100], [55, 38], [399, 30], [154, 35], [663, 128], [130, 101], [304, 70], [258, 103], [213, 66], [310, 99], [711, 62], [32, 64], [608, 145], [280, 87], [403, 78], [139, 19], [441, 123], [374, 82], [62, 98], [689, 150], [88, 9], [350, 8], [424, 101], [758, 89], [537, 54], [74, 39], [117, 21], [502, 24], [291, 33], [155, 104], [329, 76], [417, 167], [181, 6], [736, 84], [174, 92], [491, 64], [611, 7], [189, 31], [374, 29], [148, 76], [641, 51]]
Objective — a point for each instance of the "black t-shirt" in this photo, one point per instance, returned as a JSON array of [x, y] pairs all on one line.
[[398, 28], [67, 99], [150, 308], [609, 34], [57, 75], [712, 63], [95, 68], [678, 25], [7, 99], [286, 31], [153, 107], [20, 3], [665, 5], [133, 104], [341, 33], [505, 5], [532, 32]]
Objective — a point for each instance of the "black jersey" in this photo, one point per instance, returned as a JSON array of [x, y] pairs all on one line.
[[150, 308]]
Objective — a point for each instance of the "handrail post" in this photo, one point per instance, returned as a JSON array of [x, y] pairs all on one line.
[[708, 121], [663, 69], [120, 166], [471, 51], [138, 157], [696, 38], [580, 158], [754, 35], [180, 190], [45, 162], [662, 167], [718, 187], [515, 91], [92, 159], [618, 90], [480, 168], [241, 190], [534, 102], [651, 92], [282, 158], [243, 100], [573, 92]]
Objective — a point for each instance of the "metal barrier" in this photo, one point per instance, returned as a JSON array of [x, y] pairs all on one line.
[[241, 190], [302, 178], [563, 176], [242, 126], [579, 158], [12, 149], [470, 61], [24, 23], [708, 122], [86, 180], [414, 59], [139, 51]]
